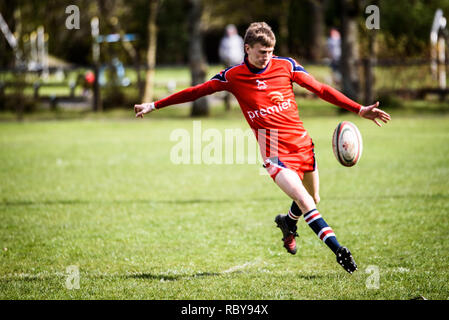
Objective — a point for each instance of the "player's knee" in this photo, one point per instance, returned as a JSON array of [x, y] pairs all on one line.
[[305, 202]]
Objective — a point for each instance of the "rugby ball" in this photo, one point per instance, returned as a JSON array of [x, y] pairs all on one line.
[[347, 143]]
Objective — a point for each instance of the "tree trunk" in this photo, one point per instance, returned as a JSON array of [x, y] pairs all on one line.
[[350, 10], [283, 27], [317, 29], [8, 13], [198, 66], [151, 53], [368, 64]]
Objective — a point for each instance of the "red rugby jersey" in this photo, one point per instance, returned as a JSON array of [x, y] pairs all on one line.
[[267, 101]]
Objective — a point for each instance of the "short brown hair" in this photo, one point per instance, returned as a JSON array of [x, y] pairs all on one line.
[[260, 32]]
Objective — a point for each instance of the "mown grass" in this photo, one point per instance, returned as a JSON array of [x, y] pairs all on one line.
[[101, 194]]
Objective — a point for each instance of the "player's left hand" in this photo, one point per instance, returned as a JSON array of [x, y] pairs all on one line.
[[372, 112], [141, 109]]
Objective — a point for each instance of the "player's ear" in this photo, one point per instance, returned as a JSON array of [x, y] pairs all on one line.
[[247, 47]]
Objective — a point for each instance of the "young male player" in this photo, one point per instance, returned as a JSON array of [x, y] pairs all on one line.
[[263, 86]]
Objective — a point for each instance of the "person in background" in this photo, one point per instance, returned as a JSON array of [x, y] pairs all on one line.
[[334, 50], [231, 53]]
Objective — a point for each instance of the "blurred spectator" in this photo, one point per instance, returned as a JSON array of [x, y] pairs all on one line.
[[231, 47], [88, 83], [334, 50], [90, 78], [120, 72], [231, 52]]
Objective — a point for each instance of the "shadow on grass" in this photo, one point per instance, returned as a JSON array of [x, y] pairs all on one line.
[[46, 276], [199, 201], [391, 196], [164, 277], [126, 201], [311, 276], [49, 276]]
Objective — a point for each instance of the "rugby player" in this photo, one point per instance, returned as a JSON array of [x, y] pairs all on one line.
[[263, 87]]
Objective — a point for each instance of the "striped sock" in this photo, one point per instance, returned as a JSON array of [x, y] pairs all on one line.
[[293, 215], [322, 229]]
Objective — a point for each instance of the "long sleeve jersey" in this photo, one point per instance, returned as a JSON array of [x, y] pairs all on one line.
[[267, 100]]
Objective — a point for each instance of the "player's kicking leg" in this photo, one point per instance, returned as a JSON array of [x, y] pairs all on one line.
[[287, 222], [306, 195], [311, 182]]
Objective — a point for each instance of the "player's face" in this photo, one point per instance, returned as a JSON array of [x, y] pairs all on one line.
[[259, 55]]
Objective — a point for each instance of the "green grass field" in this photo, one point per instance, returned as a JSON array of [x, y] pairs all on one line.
[[102, 195]]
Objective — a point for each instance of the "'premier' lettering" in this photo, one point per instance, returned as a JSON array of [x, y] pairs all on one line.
[[263, 112]]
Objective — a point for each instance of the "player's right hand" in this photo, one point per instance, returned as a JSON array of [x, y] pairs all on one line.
[[141, 109]]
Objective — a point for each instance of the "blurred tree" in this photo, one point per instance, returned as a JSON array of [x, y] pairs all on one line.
[[316, 29], [198, 67], [404, 31], [7, 9], [151, 52], [405, 27], [70, 45], [368, 63], [240, 13], [283, 19], [350, 12], [173, 32]]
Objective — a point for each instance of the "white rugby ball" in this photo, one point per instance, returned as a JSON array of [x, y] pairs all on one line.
[[347, 143]]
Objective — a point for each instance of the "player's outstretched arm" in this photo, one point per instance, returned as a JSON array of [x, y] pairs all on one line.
[[337, 98], [372, 112], [141, 109], [186, 95]]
